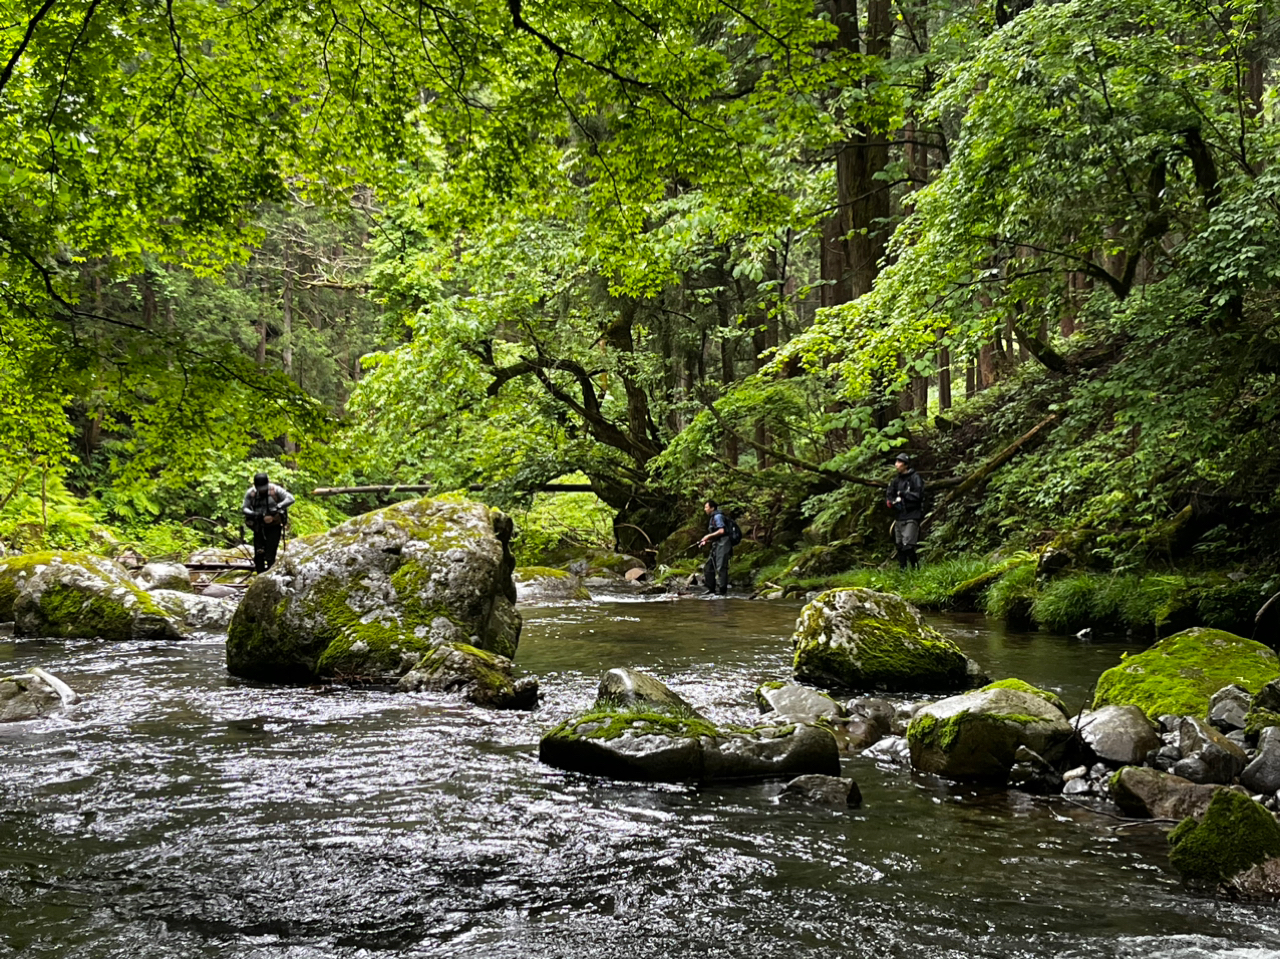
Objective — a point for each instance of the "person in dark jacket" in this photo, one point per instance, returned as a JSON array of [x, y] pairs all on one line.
[[905, 497], [715, 572], [266, 513]]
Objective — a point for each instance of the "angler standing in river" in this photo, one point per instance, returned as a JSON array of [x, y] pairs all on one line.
[[715, 572], [265, 510], [906, 497]]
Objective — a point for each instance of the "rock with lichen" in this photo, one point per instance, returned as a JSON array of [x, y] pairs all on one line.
[[658, 740], [171, 576], [1233, 850], [1179, 674], [78, 596], [1149, 793], [543, 584], [368, 599], [478, 676], [861, 639], [976, 736]]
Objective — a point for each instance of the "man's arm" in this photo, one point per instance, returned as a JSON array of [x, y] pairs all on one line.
[[286, 498], [913, 490], [247, 509]]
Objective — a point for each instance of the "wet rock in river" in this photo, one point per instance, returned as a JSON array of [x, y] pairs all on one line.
[[371, 597], [789, 702], [1262, 775], [32, 695], [659, 742], [822, 791], [1234, 848], [1207, 755], [1121, 735], [1229, 707], [861, 639], [1150, 793], [78, 596], [629, 688], [479, 677], [892, 750], [977, 735], [1033, 774]]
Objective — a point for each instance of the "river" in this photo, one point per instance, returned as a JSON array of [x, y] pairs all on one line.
[[180, 812]]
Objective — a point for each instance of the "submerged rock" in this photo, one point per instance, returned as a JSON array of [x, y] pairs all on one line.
[[822, 791], [654, 741], [78, 596], [1121, 735], [861, 639], [1180, 673], [371, 597], [479, 677], [977, 735], [1233, 850]]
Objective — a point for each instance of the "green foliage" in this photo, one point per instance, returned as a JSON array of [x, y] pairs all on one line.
[[1010, 597], [556, 521]]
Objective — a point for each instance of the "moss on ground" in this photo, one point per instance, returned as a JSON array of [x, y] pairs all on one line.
[[1180, 673], [1234, 834], [931, 732]]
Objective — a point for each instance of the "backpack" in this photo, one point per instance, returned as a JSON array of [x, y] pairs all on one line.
[[733, 529]]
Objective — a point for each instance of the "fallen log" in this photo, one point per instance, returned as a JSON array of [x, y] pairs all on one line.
[[427, 488], [979, 476]]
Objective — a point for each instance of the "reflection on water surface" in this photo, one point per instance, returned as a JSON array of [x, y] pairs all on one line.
[[179, 812]]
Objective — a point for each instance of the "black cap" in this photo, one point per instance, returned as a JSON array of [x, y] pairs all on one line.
[[902, 458], [259, 479]]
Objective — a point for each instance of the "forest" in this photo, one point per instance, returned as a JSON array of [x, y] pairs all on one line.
[[746, 250]]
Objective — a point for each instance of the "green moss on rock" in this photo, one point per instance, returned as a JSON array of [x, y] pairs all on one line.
[[861, 639], [1025, 687], [1236, 833], [1180, 673]]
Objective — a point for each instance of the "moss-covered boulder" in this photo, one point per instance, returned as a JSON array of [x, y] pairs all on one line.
[[369, 598], [1235, 836], [654, 740], [860, 639], [1179, 674], [976, 736], [78, 596], [543, 584], [629, 689], [480, 677]]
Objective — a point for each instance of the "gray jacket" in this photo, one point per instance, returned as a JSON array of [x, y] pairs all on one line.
[[276, 501]]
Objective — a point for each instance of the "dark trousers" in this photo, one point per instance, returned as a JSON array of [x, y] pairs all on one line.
[[715, 572], [266, 542]]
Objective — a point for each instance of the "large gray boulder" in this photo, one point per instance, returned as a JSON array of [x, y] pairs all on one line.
[[657, 740], [977, 735], [1148, 793], [369, 598], [1120, 735], [79, 596], [626, 688], [861, 639]]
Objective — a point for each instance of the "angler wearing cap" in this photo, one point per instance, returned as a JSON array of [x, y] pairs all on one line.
[[906, 497], [266, 513]]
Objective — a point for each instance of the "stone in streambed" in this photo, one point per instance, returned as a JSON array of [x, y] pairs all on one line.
[[822, 791], [861, 639], [479, 677], [1121, 735], [1234, 849]]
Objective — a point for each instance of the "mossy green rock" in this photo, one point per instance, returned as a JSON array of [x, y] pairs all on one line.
[[659, 747], [631, 690], [78, 596], [369, 598], [1180, 673], [480, 677], [860, 639], [1235, 834], [975, 736]]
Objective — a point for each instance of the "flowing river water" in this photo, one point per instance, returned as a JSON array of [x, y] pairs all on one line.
[[180, 812]]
